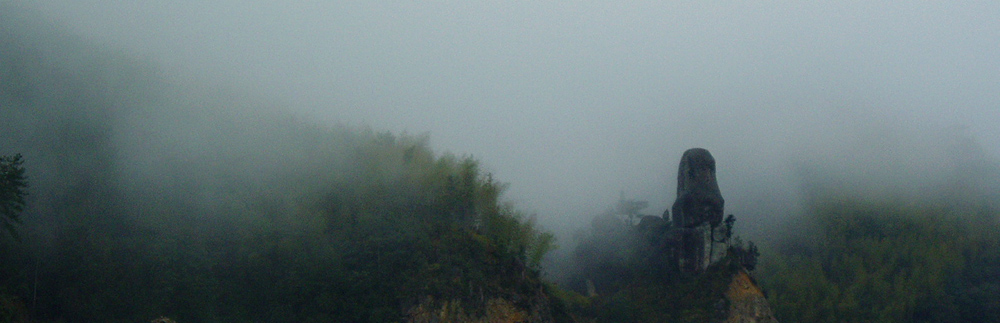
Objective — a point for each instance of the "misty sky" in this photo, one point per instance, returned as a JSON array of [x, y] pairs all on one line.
[[572, 102]]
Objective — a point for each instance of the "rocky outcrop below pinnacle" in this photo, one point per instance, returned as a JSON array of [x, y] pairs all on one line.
[[744, 301]]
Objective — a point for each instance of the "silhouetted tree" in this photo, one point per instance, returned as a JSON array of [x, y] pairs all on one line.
[[12, 191], [747, 256], [630, 208]]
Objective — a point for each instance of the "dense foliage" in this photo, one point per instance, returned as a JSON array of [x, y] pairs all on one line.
[[887, 260], [380, 242]]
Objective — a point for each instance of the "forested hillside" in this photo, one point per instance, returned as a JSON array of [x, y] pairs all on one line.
[[859, 255], [127, 195], [149, 198]]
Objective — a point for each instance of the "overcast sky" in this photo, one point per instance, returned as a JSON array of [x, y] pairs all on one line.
[[574, 101]]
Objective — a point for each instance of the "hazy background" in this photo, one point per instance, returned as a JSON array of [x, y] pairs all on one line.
[[574, 102]]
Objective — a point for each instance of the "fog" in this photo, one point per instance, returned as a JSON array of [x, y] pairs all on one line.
[[574, 102]]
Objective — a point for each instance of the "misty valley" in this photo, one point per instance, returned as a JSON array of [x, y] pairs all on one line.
[[128, 195]]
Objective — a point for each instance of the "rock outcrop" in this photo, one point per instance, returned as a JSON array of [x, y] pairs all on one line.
[[744, 301], [680, 268], [697, 210]]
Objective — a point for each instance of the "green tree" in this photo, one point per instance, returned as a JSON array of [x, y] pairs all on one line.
[[630, 208], [13, 187]]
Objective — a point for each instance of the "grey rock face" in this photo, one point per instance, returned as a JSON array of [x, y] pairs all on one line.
[[698, 197], [691, 250], [698, 208]]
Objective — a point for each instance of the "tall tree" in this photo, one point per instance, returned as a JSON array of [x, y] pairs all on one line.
[[630, 208], [13, 187]]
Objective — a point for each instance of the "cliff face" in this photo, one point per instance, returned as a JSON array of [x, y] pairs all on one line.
[[744, 301]]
